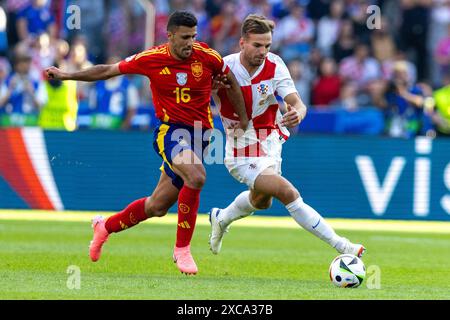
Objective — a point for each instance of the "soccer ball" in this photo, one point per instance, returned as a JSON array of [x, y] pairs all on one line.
[[347, 271]]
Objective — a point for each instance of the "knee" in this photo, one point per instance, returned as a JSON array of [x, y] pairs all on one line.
[[288, 195], [155, 210], [196, 180], [263, 204]]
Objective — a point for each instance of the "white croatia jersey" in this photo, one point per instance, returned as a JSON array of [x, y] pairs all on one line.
[[272, 78]]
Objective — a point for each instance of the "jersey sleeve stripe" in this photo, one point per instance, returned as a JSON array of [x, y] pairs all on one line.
[[211, 52], [145, 54], [196, 45], [151, 52]]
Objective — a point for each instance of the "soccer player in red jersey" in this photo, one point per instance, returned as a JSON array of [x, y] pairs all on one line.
[[181, 73]]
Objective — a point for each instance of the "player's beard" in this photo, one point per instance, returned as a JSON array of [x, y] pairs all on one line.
[[186, 52], [183, 53], [257, 61]]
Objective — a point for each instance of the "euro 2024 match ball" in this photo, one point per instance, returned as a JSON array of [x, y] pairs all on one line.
[[347, 271]]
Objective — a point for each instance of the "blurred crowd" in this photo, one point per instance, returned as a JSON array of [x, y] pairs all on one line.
[[380, 67]]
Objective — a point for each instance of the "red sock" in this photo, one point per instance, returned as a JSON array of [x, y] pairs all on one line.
[[188, 201], [128, 217]]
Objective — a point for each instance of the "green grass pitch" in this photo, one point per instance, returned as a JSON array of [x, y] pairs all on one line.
[[255, 263]]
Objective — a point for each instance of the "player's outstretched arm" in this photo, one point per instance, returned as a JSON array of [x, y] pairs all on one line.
[[234, 93], [95, 73], [296, 110]]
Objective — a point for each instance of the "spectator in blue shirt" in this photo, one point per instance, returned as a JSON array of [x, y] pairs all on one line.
[[35, 20], [405, 112], [114, 102], [21, 95]]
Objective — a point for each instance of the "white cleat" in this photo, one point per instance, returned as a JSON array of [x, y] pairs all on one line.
[[345, 246], [217, 231]]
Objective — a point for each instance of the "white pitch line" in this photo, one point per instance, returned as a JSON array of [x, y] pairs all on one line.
[[252, 221]]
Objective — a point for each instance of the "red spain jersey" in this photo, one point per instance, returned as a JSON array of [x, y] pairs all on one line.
[[181, 89]]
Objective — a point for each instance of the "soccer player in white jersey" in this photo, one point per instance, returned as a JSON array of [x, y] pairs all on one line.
[[255, 157]]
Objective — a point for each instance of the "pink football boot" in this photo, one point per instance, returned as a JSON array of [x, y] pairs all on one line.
[[100, 237], [183, 258]]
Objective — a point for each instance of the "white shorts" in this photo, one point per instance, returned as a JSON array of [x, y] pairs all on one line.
[[246, 170]]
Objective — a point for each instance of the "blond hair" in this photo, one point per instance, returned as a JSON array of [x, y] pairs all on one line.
[[256, 24]]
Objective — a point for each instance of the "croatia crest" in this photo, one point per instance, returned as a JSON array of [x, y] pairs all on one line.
[[181, 78], [263, 89]]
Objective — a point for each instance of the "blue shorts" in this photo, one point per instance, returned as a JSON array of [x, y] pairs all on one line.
[[169, 139]]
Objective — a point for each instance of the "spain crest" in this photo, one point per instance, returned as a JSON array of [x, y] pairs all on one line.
[[197, 69]]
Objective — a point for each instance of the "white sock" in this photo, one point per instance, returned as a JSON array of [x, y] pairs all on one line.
[[238, 209], [312, 221]]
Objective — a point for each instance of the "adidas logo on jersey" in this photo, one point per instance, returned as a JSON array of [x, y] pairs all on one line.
[[165, 71]]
